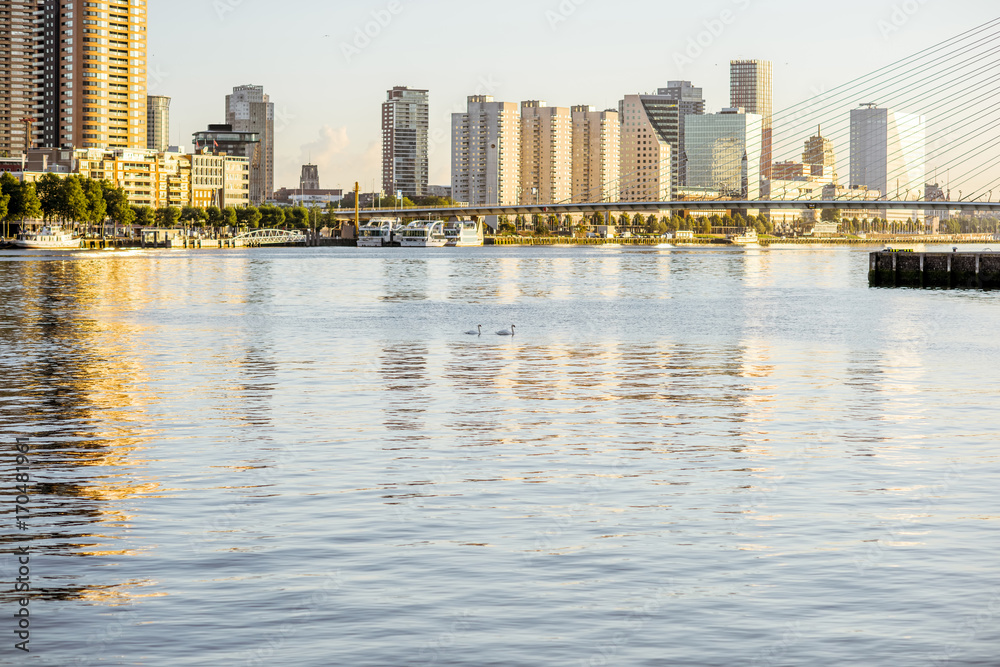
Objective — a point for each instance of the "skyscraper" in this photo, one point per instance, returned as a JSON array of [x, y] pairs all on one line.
[[92, 59], [690, 101], [819, 152], [157, 123], [750, 84], [648, 124], [17, 86], [546, 153], [404, 142], [596, 154], [249, 109], [723, 152], [888, 151], [486, 152]]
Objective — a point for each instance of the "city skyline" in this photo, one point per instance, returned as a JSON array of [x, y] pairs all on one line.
[[344, 139]]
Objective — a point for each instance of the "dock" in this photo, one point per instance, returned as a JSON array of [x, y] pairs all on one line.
[[943, 270]]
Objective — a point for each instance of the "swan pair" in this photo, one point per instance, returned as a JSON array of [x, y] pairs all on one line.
[[502, 332]]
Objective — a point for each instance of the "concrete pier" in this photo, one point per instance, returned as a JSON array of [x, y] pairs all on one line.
[[949, 270]]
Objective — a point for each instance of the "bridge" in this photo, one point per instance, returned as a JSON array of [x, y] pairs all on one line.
[[761, 205], [892, 143], [260, 237]]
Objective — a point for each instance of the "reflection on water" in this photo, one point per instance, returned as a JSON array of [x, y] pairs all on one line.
[[298, 451]]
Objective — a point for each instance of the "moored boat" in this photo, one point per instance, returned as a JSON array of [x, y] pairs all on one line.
[[463, 234], [423, 234], [379, 233], [747, 238], [47, 238]]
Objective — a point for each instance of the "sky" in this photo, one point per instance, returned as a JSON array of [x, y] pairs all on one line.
[[327, 64]]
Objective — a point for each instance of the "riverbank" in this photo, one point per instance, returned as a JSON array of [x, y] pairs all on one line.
[[764, 241]]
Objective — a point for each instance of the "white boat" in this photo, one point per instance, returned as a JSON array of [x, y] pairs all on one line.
[[423, 234], [379, 233], [748, 237], [47, 238], [463, 234]]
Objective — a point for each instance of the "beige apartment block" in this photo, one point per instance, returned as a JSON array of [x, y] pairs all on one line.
[[220, 180], [645, 155], [93, 74], [546, 154], [596, 154], [148, 178], [486, 152]]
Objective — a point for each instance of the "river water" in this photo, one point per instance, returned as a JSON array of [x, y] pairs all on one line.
[[682, 457]]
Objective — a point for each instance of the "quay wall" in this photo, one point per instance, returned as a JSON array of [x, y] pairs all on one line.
[[952, 270]]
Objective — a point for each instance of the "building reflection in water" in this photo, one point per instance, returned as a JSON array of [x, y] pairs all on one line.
[[648, 409], [76, 385]]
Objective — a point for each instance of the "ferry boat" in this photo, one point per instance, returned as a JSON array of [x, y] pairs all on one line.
[[463, 234], [423, 234], [47, 238], [747, 238], [379, 233]]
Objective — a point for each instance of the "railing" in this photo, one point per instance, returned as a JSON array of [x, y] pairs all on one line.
[[271, 237]]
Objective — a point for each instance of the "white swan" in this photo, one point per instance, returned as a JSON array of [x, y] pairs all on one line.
[[504, 332], [475, 333]]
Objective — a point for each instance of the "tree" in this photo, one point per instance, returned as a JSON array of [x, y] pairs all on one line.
[[143, 216], [117, 204], [73, 204], [97, 208], [31, 208], [249, 216], [4, 201], [830, 215], [192, 215], [297, 217], [706, 226], [10, 187], [49, 189], [229, 216], [168, 216], [271, 216], [215, 216]]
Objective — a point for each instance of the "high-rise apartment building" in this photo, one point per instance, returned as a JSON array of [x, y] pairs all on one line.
[[648, 124], [92, 87], [751, 87], [157, 123], [596, 154], [486, 152], [18, 81], [249, 109], [405, 147], [546, 153], [309, 180], [819, 152], [723, 152], [888, 151], [690, 101]]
